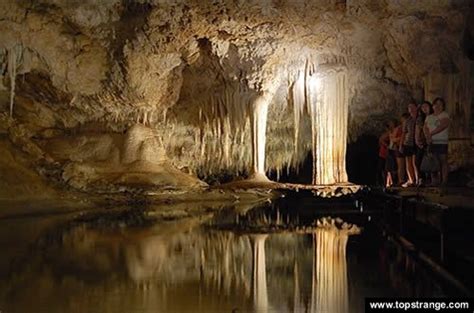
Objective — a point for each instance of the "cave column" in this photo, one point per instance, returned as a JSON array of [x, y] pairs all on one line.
[[328, 107], [258, 117]]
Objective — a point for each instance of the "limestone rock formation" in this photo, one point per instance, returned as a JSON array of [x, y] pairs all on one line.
[[76, 76], [102, 162]]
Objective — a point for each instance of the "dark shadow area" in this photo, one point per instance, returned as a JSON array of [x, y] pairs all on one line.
[[361, 164], [300, 175], [361, 160]]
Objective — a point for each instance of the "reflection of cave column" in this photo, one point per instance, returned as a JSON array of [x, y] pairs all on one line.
[[329, 287], [259, 275], [298, 306], [226, 274], [223, 269]]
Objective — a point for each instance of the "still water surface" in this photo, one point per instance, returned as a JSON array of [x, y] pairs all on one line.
[[195, 265]]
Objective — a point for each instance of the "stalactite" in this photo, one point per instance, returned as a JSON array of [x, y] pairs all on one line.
[[152, 117], [15, 55], [313, 103], [227, 142], [298, 96]]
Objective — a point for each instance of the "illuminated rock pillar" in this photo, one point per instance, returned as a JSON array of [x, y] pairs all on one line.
[[259, 273], [325, 96], [259, 128], [328, 101]]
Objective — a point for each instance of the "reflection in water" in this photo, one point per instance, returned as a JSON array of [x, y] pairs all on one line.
[[224, 264], [329, 286], [259, 273], [179, 269]]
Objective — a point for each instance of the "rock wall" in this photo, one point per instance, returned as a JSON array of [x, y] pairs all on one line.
[[192, 70]]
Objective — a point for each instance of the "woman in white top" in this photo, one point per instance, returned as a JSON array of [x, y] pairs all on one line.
[[436, 131]]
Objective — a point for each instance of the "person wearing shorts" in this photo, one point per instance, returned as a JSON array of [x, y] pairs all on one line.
[[436, 131]]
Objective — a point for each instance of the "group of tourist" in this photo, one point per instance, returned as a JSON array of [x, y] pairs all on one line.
[[413, 151]]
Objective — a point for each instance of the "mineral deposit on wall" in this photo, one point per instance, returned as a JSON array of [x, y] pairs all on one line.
[[98, 92]]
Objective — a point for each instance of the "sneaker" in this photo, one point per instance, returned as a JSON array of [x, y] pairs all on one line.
[[407, 184]]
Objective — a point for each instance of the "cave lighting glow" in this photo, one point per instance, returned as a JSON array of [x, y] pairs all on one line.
[[314, 83]]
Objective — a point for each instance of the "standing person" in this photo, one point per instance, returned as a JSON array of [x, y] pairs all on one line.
[[408, 148], [394, 152], [420, 140], [437, 133], [384, 141]]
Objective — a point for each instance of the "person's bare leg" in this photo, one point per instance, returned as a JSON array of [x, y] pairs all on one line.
[[410, 170], [389, 181], [401, 170], [415, 170]]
